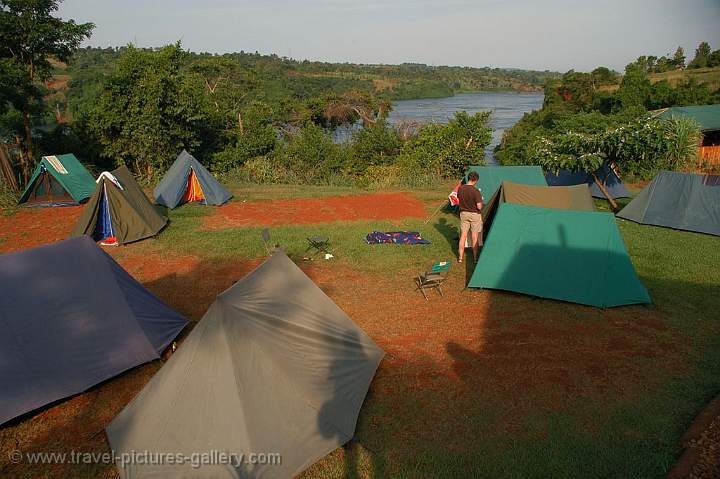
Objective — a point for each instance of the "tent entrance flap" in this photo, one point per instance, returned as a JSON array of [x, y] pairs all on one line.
[[194, 191], [103, 226], [48, 191]]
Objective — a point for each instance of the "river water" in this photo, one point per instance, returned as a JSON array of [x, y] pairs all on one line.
[[507, 109]]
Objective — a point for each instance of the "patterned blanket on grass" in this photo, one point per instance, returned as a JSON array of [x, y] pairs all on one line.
[[396, 237]]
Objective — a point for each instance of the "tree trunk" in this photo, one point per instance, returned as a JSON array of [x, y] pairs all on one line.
[[609, 197], [26, 156], [6, 171]]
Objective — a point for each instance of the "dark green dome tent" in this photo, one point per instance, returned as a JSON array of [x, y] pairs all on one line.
[[274, 366], [684, 201], [72, 318], [118, 211], [186, 181], [58, 180], [553, 245]]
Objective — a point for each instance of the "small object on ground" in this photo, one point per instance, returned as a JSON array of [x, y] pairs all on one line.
[[266, 239], [110, 241], [396, 237], [433, 278], [329, 256], [319, 244]]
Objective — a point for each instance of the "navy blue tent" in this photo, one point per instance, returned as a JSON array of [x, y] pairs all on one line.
[[186, 181], [613, 184], [71, 317]]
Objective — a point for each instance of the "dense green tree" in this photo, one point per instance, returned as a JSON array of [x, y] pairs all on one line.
[[635, 88], [30, 38], [255, 137], [702, 55], [679, 58], [714, 59], [375, 145], [150, 109], [604, 76], [311, 156]]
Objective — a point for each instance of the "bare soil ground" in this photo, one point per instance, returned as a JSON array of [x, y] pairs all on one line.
[[378, 206]]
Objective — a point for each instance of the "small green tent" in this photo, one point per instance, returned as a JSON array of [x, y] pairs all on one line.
[[118, 211], [58, 180], [575, 256], [491, 177]]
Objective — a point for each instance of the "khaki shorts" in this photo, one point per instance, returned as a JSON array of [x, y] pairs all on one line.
[[471, 222]]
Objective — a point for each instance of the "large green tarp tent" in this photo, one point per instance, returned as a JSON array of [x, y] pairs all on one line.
[[708, 116], [576, 256], [274, 366], [575, 197], [119, 211], [58, 180], [187, 180], [683, 201], [491, 177]]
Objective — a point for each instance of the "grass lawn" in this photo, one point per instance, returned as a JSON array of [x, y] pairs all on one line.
[[477, 383]]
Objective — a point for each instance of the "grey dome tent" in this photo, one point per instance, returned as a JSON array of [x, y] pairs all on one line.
[[186, 181], [683, 201], [71, 317], [273, 366]]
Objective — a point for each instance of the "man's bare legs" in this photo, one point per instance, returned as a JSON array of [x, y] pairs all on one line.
[[475, 245], [461, 247]]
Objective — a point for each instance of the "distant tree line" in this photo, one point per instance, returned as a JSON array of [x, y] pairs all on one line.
[[261, 117]]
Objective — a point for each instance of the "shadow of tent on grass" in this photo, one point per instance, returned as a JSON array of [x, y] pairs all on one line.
[[552, 384]]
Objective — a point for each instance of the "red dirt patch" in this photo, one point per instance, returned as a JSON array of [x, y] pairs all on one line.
[[31, 227], [378, 206]]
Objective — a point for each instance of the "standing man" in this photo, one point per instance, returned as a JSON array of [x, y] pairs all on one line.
[[470, 203]]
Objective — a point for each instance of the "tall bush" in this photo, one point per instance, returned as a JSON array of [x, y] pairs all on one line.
[[312, 156], [447, 150]]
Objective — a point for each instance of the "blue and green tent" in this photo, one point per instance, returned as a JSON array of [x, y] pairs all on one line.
[[58, 180]]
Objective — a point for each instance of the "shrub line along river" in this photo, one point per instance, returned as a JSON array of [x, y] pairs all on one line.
[[507, 108]]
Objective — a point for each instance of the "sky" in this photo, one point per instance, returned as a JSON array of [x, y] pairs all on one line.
[[554, 35]]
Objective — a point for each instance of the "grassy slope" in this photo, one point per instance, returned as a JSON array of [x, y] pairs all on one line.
[[708, 76], [633, 437]]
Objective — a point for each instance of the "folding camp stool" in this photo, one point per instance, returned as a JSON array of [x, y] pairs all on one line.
[[433, 278], [319, 243], [269, 246]]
